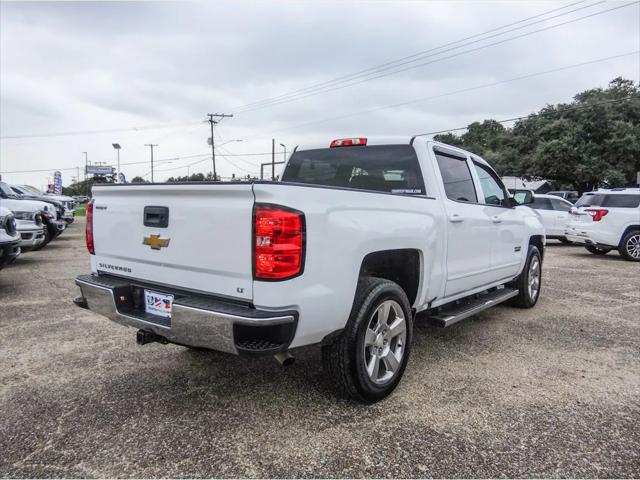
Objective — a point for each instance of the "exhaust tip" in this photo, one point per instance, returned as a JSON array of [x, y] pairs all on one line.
[[284, 359], [81, 302]]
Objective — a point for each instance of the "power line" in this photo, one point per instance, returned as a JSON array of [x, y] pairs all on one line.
[[464, 52], [415, 56], [94, 132], [455, 92]]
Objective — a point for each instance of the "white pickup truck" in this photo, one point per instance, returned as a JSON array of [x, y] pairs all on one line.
[[359, 236]]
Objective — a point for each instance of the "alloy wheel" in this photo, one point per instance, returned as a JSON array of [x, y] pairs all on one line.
[[384, 342]]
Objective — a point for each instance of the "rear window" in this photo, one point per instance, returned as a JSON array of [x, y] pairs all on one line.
[[611, 201], [384, 168]]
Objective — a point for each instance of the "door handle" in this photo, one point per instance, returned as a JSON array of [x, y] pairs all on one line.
[[455, 218], [496, 219]]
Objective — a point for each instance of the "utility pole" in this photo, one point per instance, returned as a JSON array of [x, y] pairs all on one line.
[[151, 145], [213, 122], [86, 164], [77, 174], [273, 159]]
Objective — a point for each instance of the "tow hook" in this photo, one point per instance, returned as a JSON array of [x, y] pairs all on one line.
[[143, 337], [284, 359]]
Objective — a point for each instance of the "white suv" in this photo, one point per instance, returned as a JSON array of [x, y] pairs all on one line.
[[554, 212], [608, 219]]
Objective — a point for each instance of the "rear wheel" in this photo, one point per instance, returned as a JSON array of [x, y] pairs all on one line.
[[367, 360], [529, 281], [598, 250], [630, 246]]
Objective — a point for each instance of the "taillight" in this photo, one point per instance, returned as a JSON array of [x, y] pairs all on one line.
[[596, 213], [89, 228], [278, 242], [348, 142]]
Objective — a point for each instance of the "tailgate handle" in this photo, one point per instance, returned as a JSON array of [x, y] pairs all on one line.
[[157, 217]]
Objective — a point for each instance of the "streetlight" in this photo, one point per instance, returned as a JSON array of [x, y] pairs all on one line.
[[285, 151], [86, 164], [117, 147]]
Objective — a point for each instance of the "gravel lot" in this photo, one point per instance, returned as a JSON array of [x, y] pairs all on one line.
[[548, 392]]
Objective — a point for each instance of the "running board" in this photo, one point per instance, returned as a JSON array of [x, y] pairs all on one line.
[[454, 312]]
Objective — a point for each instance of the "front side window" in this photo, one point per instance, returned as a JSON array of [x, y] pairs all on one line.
[[492, 189], [456, 176], [560, 206]]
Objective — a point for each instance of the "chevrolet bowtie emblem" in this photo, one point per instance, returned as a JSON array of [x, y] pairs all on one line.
[[155, 242]]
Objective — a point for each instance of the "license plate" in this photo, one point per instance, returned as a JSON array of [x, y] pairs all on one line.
[[158, 303]]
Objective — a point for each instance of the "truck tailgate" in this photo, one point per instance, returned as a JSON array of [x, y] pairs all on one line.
[[205, 246]]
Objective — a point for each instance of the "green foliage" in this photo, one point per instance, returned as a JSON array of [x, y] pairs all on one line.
[[591, 142]]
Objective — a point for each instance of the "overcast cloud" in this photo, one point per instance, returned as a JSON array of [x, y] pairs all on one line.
[[91, 66]]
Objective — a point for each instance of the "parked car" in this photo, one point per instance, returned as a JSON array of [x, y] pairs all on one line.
[[9, 238], [568, 195], [31, 230], [358, 236], [66, 204], [8, 199], [608, 219], [554, 212]]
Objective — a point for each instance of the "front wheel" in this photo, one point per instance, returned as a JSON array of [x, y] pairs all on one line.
[[529, 282], [598, 250], [367, 360], [630, 246]]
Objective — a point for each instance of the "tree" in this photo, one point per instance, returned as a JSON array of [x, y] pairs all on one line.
[[138, 179], [591, 142]]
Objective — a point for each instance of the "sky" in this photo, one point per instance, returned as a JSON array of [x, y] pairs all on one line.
[[77, 77]]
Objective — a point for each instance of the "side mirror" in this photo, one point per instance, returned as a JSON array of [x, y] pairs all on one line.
[[522, 197]]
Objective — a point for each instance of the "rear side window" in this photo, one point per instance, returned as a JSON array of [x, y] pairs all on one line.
[[541, 203], [384, 168], [456, 176], [560, 206], [611, 201]]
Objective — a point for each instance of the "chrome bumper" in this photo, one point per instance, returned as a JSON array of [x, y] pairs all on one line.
[[196, 321]]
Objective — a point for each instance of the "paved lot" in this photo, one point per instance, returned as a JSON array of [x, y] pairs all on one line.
[[553, 391]]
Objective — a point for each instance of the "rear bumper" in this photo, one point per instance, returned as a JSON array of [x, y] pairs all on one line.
[[196, 321], [587, 235]]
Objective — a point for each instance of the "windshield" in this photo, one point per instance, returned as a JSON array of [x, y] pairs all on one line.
[[31, 189], [606, 200], [6, 190], [385, 168]]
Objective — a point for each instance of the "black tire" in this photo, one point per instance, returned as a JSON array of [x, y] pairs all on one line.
[[565, 240], [343, 359], [524, 299], [630, 246], [597, 250]]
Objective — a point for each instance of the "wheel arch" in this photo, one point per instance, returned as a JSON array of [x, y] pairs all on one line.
[[627, 230], [402, 266], [539, 242]]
